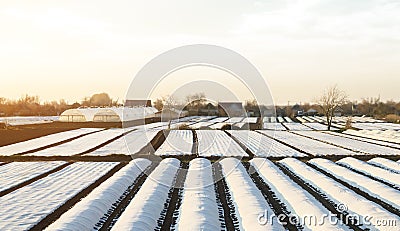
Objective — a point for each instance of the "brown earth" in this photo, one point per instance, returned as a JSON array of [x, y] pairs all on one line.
[[15, 134]]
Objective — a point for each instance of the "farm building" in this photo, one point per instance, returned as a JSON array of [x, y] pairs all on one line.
[[78, 115], [231, 109], [137, 103], [115, 114]]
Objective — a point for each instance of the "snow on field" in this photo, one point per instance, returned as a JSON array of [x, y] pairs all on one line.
[[354, 145], [217, 125], [301, 119], [313, 147], [248, 201], [199, 209], [263, 146], [81, 145], [318, 126], [339, 194], [390, 136], [217, 143], [376, 126], [288, 119], [150, 126], [269, 119], [372, 187], [296, 127], [386, 164], [23, 208], [201, 124], [274, 126], [89, 211], [178, 142], [297, 200], [369, 140], [43, 141], [308, 119], [25, 120], [146, 207], [219, 120], [129, 144], [280, 119], [250, 120], [234, 120], [370, 170], [15, 173]]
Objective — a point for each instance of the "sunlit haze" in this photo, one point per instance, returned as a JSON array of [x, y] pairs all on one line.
[[72, 49]]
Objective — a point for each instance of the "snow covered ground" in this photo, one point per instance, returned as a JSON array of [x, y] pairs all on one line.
[[23, 208], [386, 164], [81, 145], [15, 173], [280, 119], [269, 119], [288, 119], [43, 141], [368, 140], [301, 119], [129, 144], [219, 120], [373, 188], [217, 143], [376, 126], [354, 145], [250, 120], [199, 209], [178, 142], [274, 126], [388, 135], [25, 120], [145, 209], [198, 125], [341, 195], [313, 147], [90, 210], [297, 200], [234, 120], [263, 146], [296, 127], [217, 125], [318, 126], [248, 201], [370, 170]]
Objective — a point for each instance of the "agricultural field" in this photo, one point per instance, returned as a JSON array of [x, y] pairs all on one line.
[[154, 178]]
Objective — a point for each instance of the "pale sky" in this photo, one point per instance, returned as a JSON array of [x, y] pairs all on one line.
[[71, 49]]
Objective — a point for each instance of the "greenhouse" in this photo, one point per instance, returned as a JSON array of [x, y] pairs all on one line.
[[78, 115], [114, 114]]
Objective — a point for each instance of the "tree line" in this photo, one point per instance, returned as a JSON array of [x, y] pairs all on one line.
[[31, 106]]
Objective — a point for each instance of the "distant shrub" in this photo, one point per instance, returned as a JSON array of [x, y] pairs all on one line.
[[393, 118], [183, 127], [348, 123]]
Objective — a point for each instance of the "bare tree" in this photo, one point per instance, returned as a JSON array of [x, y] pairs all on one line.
[[332, 99]]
